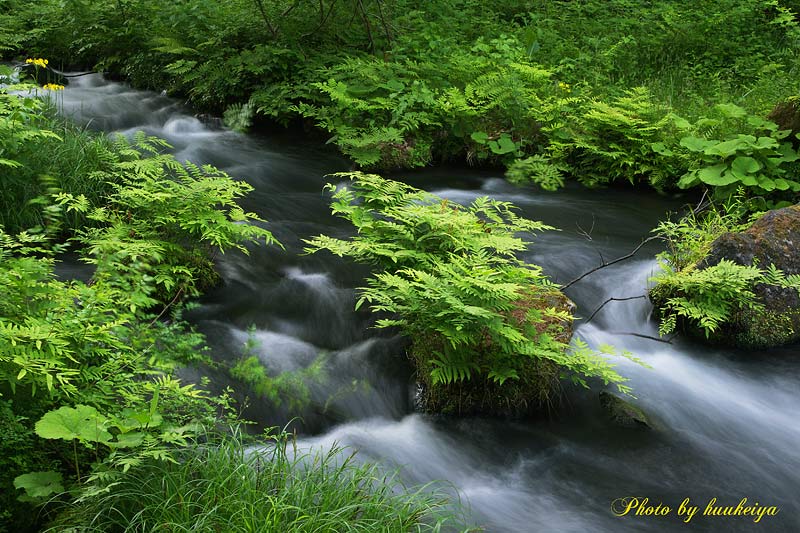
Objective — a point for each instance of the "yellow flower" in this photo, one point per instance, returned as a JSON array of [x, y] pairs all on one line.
[[53, 87], [39, 62]]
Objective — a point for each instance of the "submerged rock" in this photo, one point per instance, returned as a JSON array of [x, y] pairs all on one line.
[[537, 388], [623, 413]]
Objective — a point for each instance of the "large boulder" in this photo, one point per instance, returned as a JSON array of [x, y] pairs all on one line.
[[772, 239], [537, 388]]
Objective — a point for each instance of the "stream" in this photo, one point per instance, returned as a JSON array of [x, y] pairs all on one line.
[[726, 422]]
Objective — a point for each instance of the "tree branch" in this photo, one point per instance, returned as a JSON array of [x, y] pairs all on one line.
[[613, 300], [643, 336], [609, 263]]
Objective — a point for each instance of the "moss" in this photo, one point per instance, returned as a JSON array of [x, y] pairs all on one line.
[[764, 329], [538, 387], [623, 413]]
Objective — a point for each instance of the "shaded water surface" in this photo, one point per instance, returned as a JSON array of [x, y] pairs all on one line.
[[727, 422]]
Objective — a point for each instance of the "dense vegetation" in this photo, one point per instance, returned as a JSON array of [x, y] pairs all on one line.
[[90, 405], [448, 277], [697, 96], [595, 91]]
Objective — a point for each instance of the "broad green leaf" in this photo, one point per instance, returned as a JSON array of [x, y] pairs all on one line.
[[80, 422], [38, 485], [789, 154], [767, 183], [714, 175], [480, 137], [503, 145], [727, 148], [765, 142], [661, 148], [688, 180], [751, 180], [781, 184], [745, 165], [128, 440], [695, 144]]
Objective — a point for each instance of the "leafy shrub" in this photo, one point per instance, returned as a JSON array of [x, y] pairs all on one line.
[[709, 297], [97, 356], [688, 239], [611, 141], [756, 160]]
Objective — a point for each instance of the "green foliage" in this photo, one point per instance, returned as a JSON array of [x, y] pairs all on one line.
[[539, 170], [229, 484], [80, 422], [92, 362], [450, 271], [238, 117], [399, 86], [756, 160], [39, 485], [40, 162], [287, 387], [611, 141], [688, 239], [20, 453], [709, 297]]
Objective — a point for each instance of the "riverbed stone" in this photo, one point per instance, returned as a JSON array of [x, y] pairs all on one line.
[[623, 413], [536, 390]]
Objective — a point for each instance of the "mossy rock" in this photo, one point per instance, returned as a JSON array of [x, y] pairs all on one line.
[[537, 389], [623, 413], [786, 115], [773, 239]]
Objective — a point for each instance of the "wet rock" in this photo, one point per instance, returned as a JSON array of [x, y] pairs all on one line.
[[772, 239], [538, 386], [623, 413]]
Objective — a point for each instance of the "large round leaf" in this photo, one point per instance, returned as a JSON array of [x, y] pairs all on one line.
[[39, 485], [745, 165], [80, 422], [716, 175]]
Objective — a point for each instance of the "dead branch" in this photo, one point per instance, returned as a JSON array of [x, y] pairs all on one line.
[[643, 336], [609, 263], [613, 300]]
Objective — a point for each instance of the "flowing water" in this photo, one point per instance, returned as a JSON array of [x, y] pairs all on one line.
[[726, 422]]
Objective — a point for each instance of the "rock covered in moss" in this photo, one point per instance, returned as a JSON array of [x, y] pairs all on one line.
[[536, 389], [786, 115], [772, 239], [623, 413]]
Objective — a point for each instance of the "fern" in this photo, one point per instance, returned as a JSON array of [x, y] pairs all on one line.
[[539, 170], [709, 297], [450, 272]]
